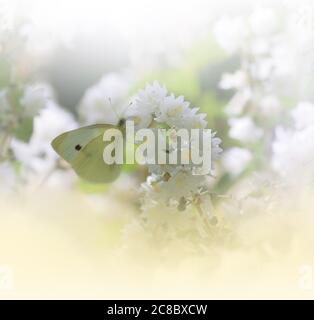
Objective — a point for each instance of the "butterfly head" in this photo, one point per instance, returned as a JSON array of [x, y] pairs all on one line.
[[121, 122]]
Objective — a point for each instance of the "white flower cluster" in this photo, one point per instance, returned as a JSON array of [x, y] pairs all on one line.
[[235, 160], [244, 130], [263, 53], [153, 103], [36, 157], [264, 60], [293, 149], [35, 97], [172, 184], [233, 34]]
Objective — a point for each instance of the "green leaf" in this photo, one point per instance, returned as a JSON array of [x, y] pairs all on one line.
[[25, 129]]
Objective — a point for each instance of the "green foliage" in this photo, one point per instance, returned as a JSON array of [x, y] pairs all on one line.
[[5, 72], [24, 130]]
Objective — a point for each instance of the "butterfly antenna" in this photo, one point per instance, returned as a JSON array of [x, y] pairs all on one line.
[[127, 106], [123, 111], [113, 109]]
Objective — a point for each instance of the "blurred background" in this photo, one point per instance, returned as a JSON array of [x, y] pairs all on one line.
[[249, 66]]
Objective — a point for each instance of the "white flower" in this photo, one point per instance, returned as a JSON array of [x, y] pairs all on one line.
[[283, 57], [234, 80], [183, 184], [263, 21], [293, 155], [171, 109], [263, 68], [106, 101], [269, 105], [145, 104], [231, 33], [51, 121], [151, 97], [35, 98], [244, 130], [300, 26], [176, 112], [303, 115], [235, 160], [190, 119], [37, 157], [238, 102], [260, 46]]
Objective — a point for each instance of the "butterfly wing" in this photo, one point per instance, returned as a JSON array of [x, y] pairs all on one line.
[[83, 149]]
